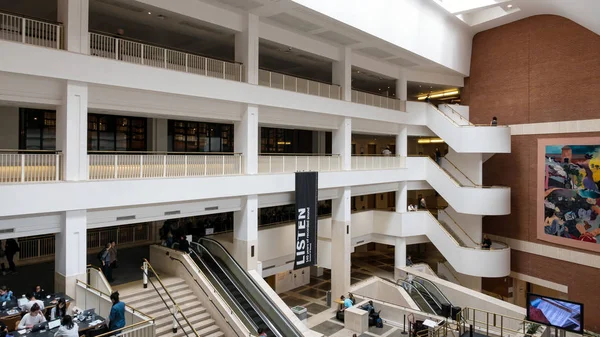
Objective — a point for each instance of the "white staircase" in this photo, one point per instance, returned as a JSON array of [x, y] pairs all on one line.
[[151, 304]]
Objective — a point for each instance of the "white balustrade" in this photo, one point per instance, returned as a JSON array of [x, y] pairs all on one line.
[[378, 101], [292, 163], [139, 53], [29, 167], [377, 162], [24, 30], [286, 82], [132, 166]]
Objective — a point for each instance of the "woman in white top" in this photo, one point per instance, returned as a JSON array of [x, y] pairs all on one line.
[[32, 318], [60, 310], [67, 328]]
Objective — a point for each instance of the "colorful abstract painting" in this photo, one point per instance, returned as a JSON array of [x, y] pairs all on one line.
[[572, 192]]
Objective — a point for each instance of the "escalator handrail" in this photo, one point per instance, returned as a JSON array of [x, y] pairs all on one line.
[[228, 294], [229, 300], [436, 288], [292, 329], [417, 292], [433, 298]]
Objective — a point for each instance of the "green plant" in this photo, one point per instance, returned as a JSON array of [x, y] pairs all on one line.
[[532, 328]]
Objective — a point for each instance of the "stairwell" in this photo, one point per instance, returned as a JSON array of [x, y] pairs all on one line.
[[151, 304]]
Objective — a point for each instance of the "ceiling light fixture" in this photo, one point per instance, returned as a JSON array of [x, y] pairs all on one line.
[[149, 13], [430, 140], [442, 94], [509, 6]]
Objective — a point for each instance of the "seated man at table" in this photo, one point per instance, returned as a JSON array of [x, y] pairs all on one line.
[[32, 318], [39, 293], [5, 294], [32, 301]]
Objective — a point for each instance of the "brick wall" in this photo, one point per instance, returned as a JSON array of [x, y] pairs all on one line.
[[540, 69]]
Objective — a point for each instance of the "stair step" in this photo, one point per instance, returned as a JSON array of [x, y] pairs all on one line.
[[203, 328], [156, 307], [151, 298], [144, 293], [135, 287], [193, 317]]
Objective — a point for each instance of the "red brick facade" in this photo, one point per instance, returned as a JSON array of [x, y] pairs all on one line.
[[540, 69]]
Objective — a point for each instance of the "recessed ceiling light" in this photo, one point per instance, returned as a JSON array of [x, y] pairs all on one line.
[[149, 13], [358, 71], [509, 6]]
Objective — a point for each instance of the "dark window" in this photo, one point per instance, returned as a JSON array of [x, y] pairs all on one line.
[[276, 140], [287, 213], [200, 137], [37, 129]]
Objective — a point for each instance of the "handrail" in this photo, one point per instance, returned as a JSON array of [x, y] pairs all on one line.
[[171, 297], [375, 94], [464, 318], [435, 300], [456, 182], [112, 333], [419, 293], [459, 227], [377, 155], [463, 126], [461, 172], [134, 310], [244, 314], [165, 153], [32, 151], [202, 288], [102, 276], [296, 76], [284, 319], [437, 289], [449, 267], [32, 18], [457, 113], [277, 154]]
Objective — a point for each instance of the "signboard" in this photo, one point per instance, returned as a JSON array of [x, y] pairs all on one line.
[[306, 219]]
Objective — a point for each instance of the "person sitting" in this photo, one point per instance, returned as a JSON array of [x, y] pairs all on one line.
[[347, 302], [5, 294], [32, 301], [412, 208], [386, 151], [67, 328], [494, 121], [261, 333], [487, 243], [351, 298], [60, 310], [409, 261], [38, 293], [33, 317], [368, 307], [3, 329]]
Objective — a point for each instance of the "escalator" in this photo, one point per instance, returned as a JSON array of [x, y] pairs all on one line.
[[252, 305], [427, 295]]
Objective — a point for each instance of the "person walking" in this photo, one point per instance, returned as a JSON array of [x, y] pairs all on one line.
[[105, 258], [116, 318], [12, 248], [113, 254], [438, 156]]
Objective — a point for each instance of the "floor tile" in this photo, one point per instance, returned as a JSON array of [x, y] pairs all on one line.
[[360, 276], [380, 331], [314, 293], [314, 281], [315, 308], [398, 333], [292, 301], [386, 268], [323, 286], [327, 328]]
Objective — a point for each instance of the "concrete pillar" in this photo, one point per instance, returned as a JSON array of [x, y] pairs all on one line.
[[159, 134], [74, 15], [9, 128], [342, 73], [399, 257], [402, 141], [246, 48], [246, 138], [71, 131], [341, 244], [245, 233], [401, 88], [402, 197], [342, 143], [71, 252]]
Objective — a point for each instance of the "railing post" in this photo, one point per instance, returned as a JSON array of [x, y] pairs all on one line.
[[22, 167], [186, 62], [145, 276], [329, 94], [240, 166], [205, 166], [296, 164], [487, 323], [205, 66], [296, 85], [117, 49], [165, 55], [185, 166], [270, 85], [330, 163], [142, 53], [283, 164], [141, 166], [319, 88], [241, 67], [174, 329], [270, 169], [501, 325], [283, 81], [58, 167], [223, 165], [164, 165], [23, 27], [116, 166], [58, 37], [223, 69]]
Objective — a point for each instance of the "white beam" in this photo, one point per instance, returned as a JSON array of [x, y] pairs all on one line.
[[298, 41]]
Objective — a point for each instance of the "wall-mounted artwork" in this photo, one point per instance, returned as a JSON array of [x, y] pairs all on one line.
[[569, 191]]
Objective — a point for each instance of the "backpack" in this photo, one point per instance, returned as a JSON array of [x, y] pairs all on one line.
[[99, 256], [379, 323]]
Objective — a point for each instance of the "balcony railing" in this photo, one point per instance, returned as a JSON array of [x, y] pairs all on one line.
[[148, 165], [366, 98], [295, 163], [139, 53], [29, 166], [39, 33], [378, 162], [286, 82]]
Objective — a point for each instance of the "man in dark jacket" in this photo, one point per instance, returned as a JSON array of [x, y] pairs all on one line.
[[12, 248]]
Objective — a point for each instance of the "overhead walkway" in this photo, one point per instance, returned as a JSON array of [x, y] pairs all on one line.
[[252, 305], [467, 197]]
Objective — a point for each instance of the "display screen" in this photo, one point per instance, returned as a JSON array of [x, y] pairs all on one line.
[[554, 312]]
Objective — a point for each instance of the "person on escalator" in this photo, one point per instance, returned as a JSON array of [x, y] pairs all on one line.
[[261, 333], [184, 245]]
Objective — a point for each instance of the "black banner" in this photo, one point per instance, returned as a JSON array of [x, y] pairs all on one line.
[[306, 219]]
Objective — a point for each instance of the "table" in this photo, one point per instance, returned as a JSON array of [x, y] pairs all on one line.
[[11, 318], [83, 327]]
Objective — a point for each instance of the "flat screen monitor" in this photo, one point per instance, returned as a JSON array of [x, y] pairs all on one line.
[[555, 312]]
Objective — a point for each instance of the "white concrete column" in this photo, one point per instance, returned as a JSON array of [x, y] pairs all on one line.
[[341, 247], [399, 257], [71, 251], [159, 134], [342, 73], [246, 138], [402, 141], [342, 143], [74, 16], [71, 131], [245, 233], [402, 197], [246, 48], [9, 128], [401, 88]]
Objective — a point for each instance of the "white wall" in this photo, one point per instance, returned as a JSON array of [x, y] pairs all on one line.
[[9, 127], [449, 274], [291, 279], [470, 164], [433, 34]]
